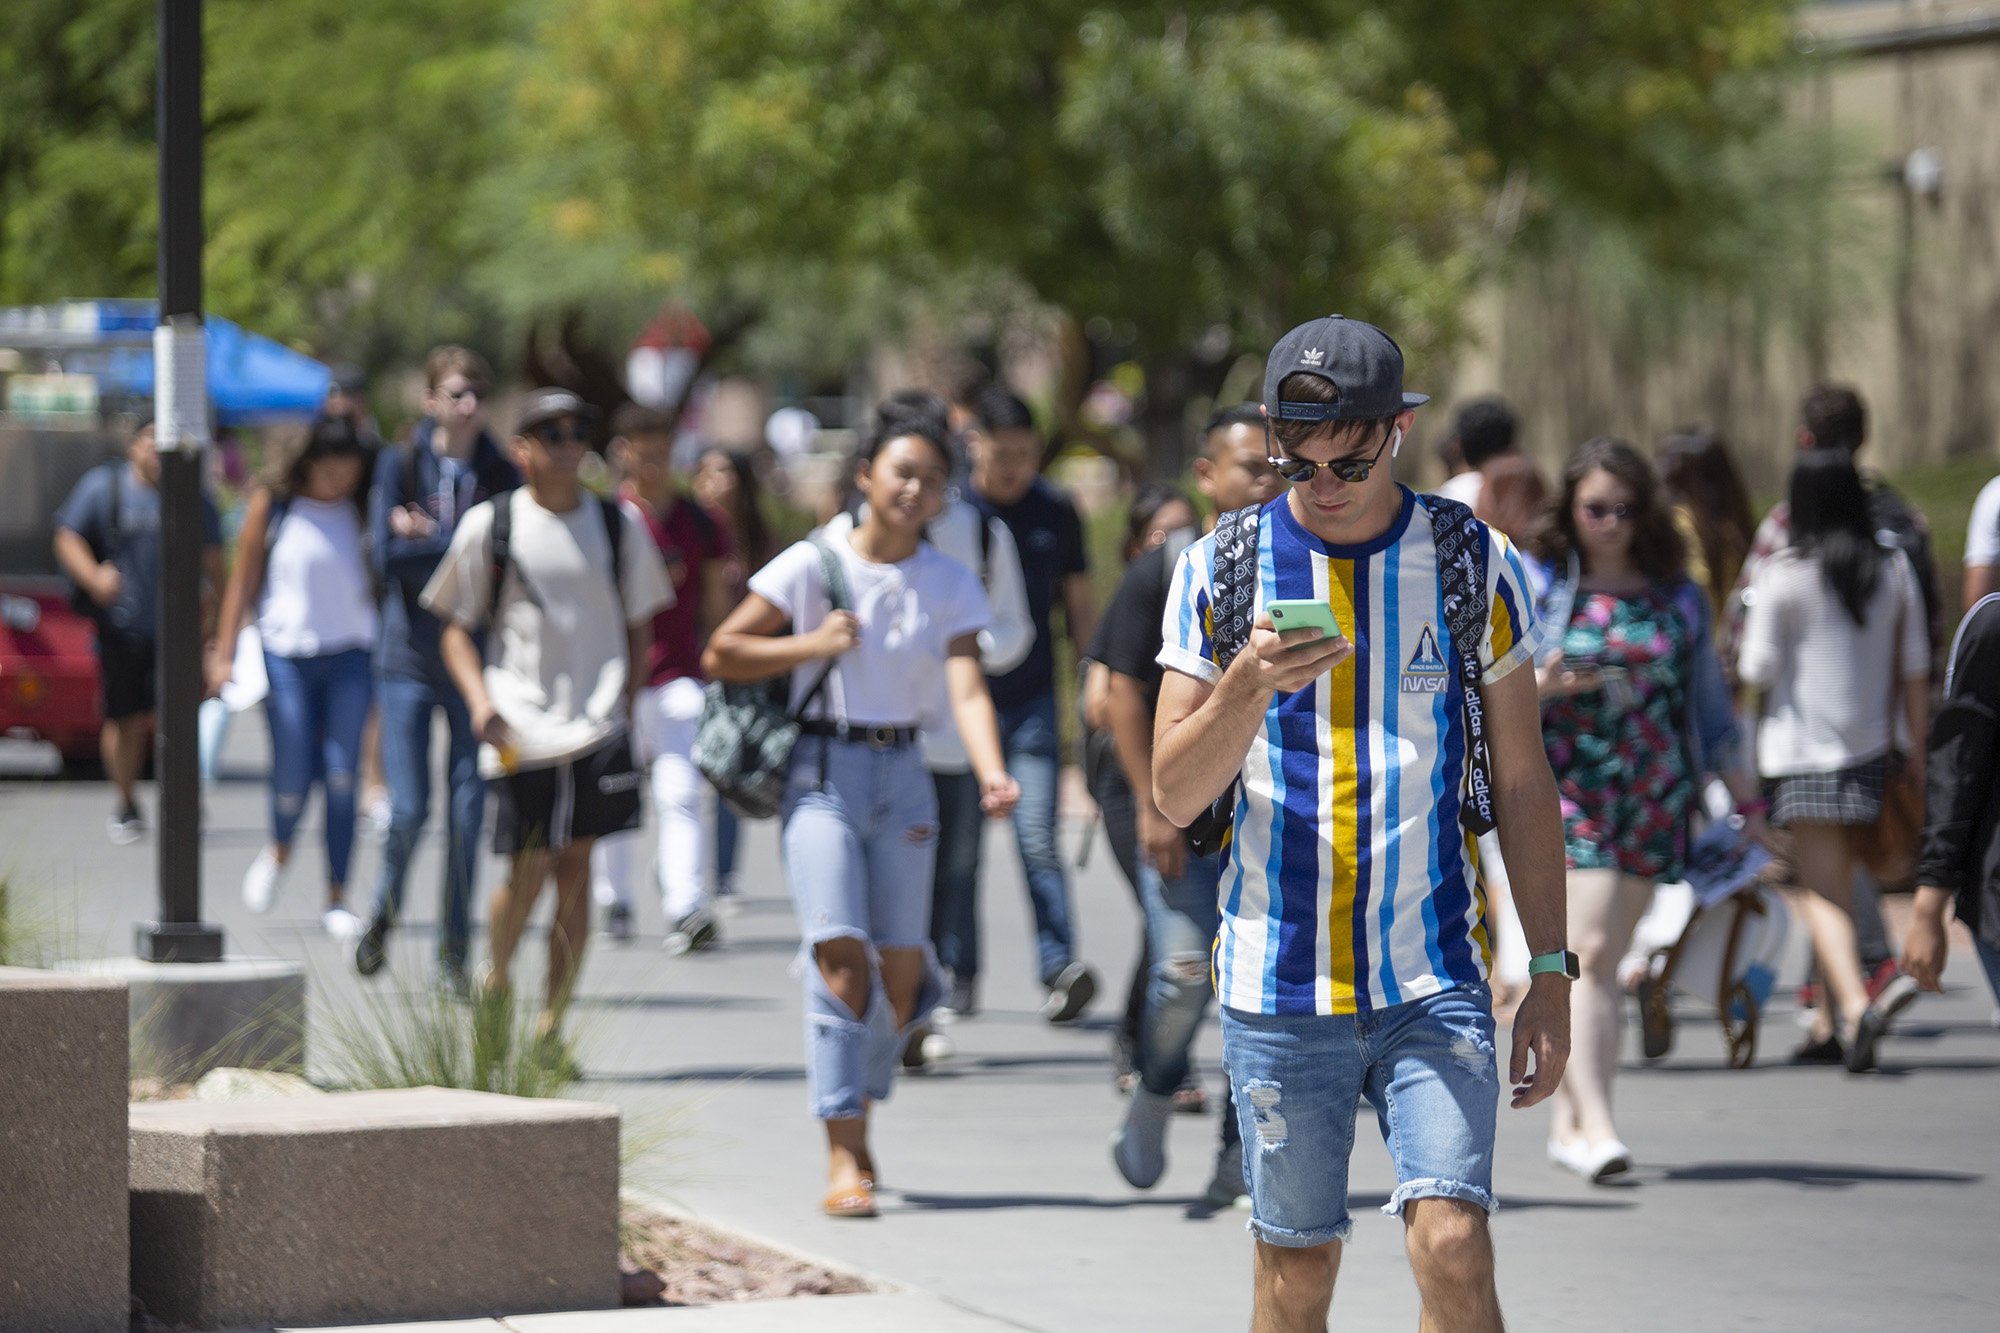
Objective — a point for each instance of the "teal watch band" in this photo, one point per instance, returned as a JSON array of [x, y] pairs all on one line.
[[1562, 961]]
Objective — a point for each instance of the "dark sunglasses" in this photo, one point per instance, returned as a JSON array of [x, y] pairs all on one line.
[[1618, 513], [553, 433], [1298, 471]]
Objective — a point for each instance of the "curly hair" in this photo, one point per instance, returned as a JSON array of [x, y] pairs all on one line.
[[1657, 549]]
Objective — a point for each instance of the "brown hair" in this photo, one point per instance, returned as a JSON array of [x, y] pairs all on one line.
[[1836, 417], [1656, 546], [1511, 495], [1301, 387], [1698, 473], [638, 419], [452, 359]]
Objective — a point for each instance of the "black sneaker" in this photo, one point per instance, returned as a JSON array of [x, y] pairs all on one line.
[[1861, 1055], [372, 949], [963, 1001], [1827, 1051], [693, 933], [618, 923], [1897, 995], [1070, 993], [126, 827]]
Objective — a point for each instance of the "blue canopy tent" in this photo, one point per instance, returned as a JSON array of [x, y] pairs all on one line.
[[252, 380]]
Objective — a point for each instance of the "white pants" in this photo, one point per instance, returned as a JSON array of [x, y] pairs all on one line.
[[663, 740]]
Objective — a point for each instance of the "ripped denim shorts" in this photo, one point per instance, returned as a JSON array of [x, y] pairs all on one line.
[[1427, 1066]]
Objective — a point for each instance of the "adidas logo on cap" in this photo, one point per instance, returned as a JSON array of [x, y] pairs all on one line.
[[1312, 356]]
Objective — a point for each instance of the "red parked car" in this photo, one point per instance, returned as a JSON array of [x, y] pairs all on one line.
[[50, 710]]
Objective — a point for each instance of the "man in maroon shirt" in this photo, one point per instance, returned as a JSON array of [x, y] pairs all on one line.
[[697, 551]]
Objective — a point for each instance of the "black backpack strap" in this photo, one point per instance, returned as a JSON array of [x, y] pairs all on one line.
[[1233, 574], [1461, 555], [411, 482], [614, 532], [985, 546], [497, 553], [114, 535]]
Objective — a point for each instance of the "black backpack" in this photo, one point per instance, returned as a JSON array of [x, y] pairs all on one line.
[[1461, 551], [500, 542]]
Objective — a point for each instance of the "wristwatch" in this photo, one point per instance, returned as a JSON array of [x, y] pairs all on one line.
[[1563, 961]]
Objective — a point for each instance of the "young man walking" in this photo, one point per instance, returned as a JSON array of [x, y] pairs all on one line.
[[1008, 485], [1176, 882], [108, 542], [569, 584], [422, 491], [696, 550], [1352, 952]]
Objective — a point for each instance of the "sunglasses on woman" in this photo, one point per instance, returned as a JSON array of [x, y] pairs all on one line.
[[1616, 513], [553, 433], [1353, 471]]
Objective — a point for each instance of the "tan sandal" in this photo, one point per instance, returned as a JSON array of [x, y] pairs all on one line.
[[857, 1202]]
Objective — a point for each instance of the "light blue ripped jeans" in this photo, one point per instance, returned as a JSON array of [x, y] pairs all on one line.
[[1427, 1066], [859, 853]]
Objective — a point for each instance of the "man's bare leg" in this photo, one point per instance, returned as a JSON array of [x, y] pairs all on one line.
[[569, 932], [122, 745], [508, 915], [1294, 1287], [1451, 1255]]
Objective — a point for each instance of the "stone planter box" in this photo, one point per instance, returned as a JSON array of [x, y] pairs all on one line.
[[365, 1207]]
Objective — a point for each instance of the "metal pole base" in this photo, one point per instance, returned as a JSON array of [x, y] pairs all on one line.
[[179, 942]]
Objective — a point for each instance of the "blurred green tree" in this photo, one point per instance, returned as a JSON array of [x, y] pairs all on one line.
[[348, 142], [1196, 175]]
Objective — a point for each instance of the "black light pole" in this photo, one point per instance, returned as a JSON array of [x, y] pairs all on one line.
[[180, 401]]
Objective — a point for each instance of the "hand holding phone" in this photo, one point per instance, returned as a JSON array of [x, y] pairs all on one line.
[[1304, 613]]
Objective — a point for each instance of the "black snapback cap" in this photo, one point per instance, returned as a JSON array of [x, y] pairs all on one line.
[[548, 404], [1361, 362]]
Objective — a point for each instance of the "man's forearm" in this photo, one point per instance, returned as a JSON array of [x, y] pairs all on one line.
[[461, 660], [1197, 757], [74, 555], [1529, 818], [1132, 733]]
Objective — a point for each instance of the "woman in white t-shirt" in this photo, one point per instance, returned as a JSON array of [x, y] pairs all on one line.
[[1837, 639], [860, 811], [301, 565]]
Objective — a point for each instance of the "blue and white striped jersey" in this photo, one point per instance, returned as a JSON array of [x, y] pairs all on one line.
[[1349, 884]]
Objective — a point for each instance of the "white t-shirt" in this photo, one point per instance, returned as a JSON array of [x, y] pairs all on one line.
[[1982, 531], [556, 663], [316, 599], [1466, 488], [1830, 704], [1002, 645], [909, 612]]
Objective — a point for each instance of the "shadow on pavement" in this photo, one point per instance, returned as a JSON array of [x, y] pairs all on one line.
[[955, 1203], [1824, 1175], [673, 1002], [713, 1074]]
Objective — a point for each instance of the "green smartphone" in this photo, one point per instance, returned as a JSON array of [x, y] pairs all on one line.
[[1304, 614]]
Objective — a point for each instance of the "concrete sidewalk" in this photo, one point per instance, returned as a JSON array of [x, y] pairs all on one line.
[[881, 1312], [1777, 1197]]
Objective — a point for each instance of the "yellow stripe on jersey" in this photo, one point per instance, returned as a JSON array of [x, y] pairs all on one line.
[[1343, 827]]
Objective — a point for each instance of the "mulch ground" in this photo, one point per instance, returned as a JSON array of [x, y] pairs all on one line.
[[696, 1266]]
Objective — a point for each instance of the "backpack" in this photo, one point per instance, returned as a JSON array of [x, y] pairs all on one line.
[[500, 541], [1461, 550], [743, 743], [80, 601]]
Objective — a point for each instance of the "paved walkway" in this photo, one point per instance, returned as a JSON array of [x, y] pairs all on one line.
[[1773, 1198]]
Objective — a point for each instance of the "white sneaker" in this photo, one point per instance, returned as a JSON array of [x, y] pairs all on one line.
[[381, 811], [1596, 1162], [937, 1048], [341, 924], [260, 882]]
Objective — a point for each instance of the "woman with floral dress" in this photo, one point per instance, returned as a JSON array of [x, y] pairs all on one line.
[[1634, 714]]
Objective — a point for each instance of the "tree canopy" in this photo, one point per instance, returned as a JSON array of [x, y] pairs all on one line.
[[1196, 175]]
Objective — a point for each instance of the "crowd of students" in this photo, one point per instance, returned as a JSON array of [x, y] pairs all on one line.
[[1687, 669]]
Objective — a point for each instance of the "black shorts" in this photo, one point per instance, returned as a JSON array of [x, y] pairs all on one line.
[[589, 796], [128, 669]]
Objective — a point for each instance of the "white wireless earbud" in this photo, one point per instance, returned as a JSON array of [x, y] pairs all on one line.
[[1397, 447]]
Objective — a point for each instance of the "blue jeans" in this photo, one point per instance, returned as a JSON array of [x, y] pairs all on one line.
[[1428, 1067], [725, 842], [406, 764], [859, 852], [955, 888], [1028, 735], [1989, 958], [316, 708], [1180, 934]]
